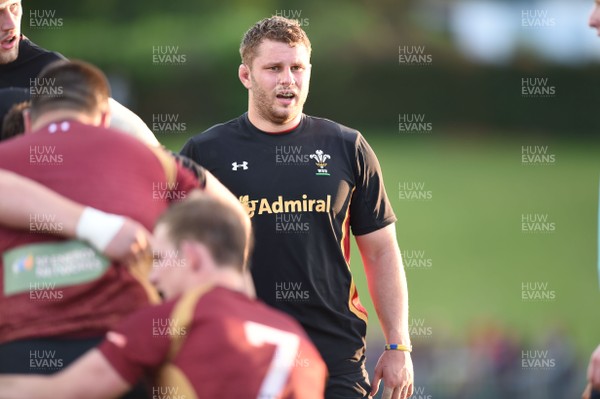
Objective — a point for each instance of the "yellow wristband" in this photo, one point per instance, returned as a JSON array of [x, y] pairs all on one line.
[[398, 347]]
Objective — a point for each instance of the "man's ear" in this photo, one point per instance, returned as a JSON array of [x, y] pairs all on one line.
[[244, 75], [190, 254], [196, 255], [27, 120], [105, 120], [106, 117]]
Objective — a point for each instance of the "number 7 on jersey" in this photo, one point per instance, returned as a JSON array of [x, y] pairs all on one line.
[[286, 349]]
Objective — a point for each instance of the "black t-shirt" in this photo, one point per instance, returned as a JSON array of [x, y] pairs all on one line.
[[304, 189], [18, 74], [10, 96], [28, 65]]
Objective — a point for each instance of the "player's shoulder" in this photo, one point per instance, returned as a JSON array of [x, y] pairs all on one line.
[[107, 136], [327, 126], [145, 317], [89, 137], [28, 50], [218, 131], [222, 302]]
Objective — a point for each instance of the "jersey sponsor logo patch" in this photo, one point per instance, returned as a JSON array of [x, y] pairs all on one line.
[[235, 166], [48, 266], [321, 162], [264, 206]]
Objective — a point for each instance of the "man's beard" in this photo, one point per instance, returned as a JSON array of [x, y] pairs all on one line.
[[267, 109], [6, 57]]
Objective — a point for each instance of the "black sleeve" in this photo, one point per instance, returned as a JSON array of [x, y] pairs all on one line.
[[370, 209], [188, 150]]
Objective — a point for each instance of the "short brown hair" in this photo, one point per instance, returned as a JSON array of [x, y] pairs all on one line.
[[14, 121], [210, 222], [276, 28], [73, 85]]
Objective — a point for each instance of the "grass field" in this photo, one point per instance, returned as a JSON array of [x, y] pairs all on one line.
[[470, 233]]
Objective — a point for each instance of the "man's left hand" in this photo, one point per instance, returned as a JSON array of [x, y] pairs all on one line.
[[395, 368]]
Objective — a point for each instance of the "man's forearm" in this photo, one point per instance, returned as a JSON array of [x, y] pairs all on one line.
[[25, 387], [389, 292], [22, 198], [387, 283], [91, 376]]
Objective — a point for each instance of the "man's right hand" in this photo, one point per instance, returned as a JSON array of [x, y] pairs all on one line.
[[593, 374], [131, 244]]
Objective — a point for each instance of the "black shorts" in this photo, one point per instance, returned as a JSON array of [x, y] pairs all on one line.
[[51, 355], [348, 386], [43, 355]]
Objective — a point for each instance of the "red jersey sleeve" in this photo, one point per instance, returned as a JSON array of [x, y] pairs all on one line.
[[189, 165], [188, 180], [140, 343]]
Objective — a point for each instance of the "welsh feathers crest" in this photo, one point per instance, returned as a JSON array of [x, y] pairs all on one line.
[[321, 162]]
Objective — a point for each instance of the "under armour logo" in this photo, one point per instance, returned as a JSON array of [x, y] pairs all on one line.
[[243, 165]]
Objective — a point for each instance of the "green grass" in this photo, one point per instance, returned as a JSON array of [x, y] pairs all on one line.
[[471, 231]]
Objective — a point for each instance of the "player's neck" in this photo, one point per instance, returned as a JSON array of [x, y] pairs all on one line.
[[232, 279], [270, 127], [62, 115]]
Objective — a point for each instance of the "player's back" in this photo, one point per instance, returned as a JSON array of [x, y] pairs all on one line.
[[237, 347]]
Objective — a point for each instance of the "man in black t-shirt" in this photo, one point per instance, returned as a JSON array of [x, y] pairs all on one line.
[[307, 182], [28, 65], [10, 30], [21, 61]]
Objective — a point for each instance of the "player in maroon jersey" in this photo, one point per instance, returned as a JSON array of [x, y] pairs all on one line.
[[209, 340], [58, 295]]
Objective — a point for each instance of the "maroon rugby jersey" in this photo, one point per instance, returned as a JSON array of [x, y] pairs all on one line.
[[101, 168], [217, 343]]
